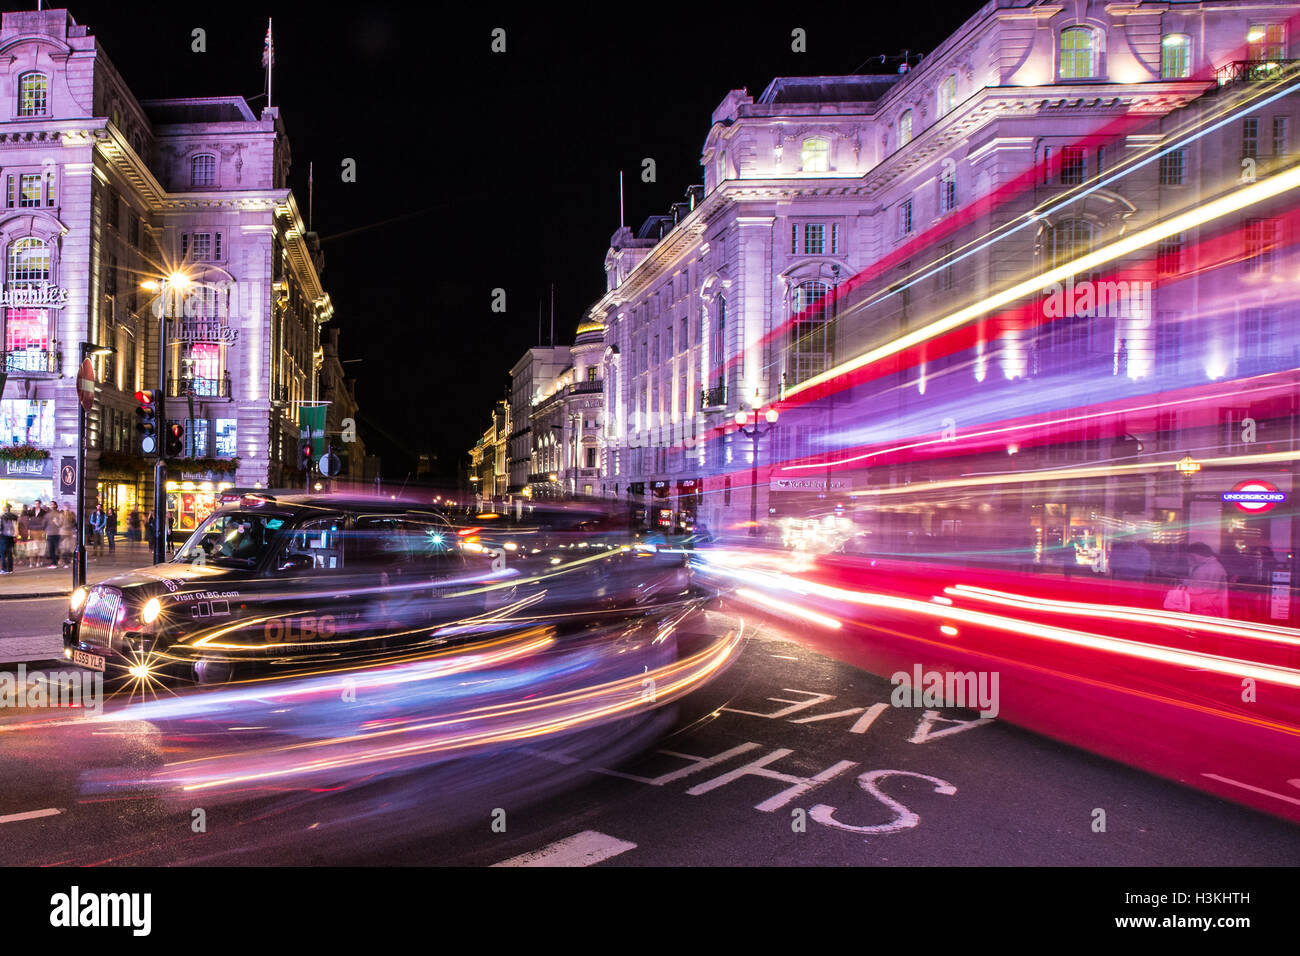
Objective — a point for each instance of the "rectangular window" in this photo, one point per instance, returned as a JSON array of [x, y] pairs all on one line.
[[1266, 41], [9, 192], [49, 188], [946, 272], [1259, 337], [814, 239], [1175, 57], [1169, 255], [591, 458], [794, 239], [29, 189], [226, 447], [1279, 137], [196, 437], [1249, 138], [1047, 164], [1072, 167], [905, 218], [835, 238], [26, 422], [1171, 167], [1261, 241], [1101, 160], [948, 191]]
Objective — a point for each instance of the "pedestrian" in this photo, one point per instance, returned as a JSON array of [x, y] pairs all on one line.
[[150, 529], [68, 537], [133, 525], [8, 534], [98, 524], [110, 528], [53, 531], [1207, 582]]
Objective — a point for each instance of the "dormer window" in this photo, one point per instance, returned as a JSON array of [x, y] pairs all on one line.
[[904, 128], [947, 95], [816, 155], [203, 170], [722, 166], [33, 94], [1078, 54]]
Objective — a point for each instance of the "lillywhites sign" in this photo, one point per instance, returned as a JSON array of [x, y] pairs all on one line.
[[31, 468], [809, 484], [40, 296], [206, 330]]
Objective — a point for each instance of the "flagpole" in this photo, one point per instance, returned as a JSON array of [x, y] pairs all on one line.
[[270, 60]]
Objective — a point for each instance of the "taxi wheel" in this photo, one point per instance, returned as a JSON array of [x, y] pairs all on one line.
[[211, 671]]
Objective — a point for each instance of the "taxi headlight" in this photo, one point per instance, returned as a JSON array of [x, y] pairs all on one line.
[[78, 598], [149, 613]]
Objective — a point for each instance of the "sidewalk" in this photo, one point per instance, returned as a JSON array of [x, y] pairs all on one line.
[[46, 582]]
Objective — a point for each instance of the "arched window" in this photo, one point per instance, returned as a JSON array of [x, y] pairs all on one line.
[[816, 155], [1068, 240], [29, 261], [1078, 59], [27, 331], [33, 94], [1176, 57], [810, 331], [947, 95], [203, 170], [904, 128]]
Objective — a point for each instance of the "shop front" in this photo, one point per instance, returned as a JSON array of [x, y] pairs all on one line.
[[24, 481], [636, 504], [661, 508], [190, 500], [689, 494]]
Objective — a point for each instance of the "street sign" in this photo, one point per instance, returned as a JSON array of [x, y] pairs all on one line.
[[1255, 496], [86, 385], [330, 464]]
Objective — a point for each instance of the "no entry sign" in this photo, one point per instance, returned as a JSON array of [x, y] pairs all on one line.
[[1255, 496], [86, 385]]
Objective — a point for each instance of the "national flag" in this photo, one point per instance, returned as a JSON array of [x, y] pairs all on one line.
[[268, 47]]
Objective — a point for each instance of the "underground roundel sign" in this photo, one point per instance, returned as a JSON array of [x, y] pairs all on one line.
[[1255, 496]]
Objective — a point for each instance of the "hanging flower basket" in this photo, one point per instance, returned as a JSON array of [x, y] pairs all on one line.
[[223, 466], [23, 453]]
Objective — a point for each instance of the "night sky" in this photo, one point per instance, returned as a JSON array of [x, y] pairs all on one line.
[[478, 170]]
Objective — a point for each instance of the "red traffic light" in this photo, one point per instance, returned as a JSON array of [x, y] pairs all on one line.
[[144, 398]]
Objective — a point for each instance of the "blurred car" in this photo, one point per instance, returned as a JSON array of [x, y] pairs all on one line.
[[267, 581]]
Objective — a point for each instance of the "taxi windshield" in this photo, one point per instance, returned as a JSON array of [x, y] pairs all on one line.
[[231, 539]]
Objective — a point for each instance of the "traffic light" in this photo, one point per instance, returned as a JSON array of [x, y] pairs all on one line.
[[175, 440], [147, 414], [304, 455]]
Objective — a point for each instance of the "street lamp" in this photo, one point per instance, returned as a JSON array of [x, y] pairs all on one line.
[[755, 432], [176, 282], [79, 560]]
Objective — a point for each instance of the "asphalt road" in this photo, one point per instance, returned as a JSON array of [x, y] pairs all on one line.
[[788, 758]]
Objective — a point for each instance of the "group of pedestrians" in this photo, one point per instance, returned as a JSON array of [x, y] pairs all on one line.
[[45, 535]]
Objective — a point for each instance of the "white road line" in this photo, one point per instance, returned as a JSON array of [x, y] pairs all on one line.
[[581, 849], [29, 815], [1246, 786]]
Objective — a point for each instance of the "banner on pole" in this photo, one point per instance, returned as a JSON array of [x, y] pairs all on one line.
[[311, 427]]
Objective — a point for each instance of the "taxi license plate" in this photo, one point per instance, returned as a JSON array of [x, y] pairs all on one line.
[[93, 661]]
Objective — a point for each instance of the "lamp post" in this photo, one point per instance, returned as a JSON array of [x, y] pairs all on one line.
[[755, 432], [79, 558], [176, 282]]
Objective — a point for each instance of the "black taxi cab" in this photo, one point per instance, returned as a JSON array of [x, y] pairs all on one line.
[[269, 581]]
